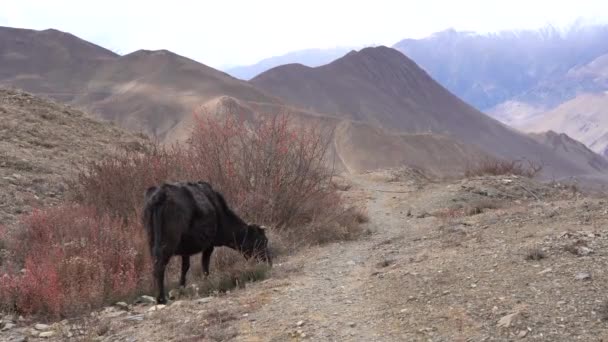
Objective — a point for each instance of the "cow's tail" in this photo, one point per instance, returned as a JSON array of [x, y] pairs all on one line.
[[154, 221]]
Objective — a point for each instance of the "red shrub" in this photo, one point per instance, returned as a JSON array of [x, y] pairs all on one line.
[[116, 184], [73, 259]]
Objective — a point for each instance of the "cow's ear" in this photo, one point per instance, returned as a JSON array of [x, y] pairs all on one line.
[[149, 191], [262, 228]]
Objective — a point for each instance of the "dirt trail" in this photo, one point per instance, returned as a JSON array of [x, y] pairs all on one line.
[[332, 297]]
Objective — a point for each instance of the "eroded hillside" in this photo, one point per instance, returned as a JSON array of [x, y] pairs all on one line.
[[44, 142]]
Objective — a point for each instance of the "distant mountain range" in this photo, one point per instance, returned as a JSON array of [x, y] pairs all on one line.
[[382, 108], [520, 76]]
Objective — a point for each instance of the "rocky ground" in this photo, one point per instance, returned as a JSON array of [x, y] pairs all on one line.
[[483, 259]]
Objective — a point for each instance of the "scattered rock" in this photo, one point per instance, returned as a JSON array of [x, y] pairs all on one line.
[[47, 334], [522, 333], [139, 317], [507, 320], [42, 327], [8, 326], [19, 338], [423, 215], [157, 307], [583, 276], [122, 305], [146, 300], [352, 324], [300, 323], [204, 300], [545, 271]]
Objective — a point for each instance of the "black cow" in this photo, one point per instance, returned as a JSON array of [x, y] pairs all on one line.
[[188, 218]]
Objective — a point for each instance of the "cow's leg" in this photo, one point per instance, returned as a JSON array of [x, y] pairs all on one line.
[[160, 265], [206, 260], [185, 268]]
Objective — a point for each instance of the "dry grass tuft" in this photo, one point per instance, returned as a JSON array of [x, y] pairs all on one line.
[[498, 167]]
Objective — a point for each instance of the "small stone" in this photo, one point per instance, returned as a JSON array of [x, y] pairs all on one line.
[[352, 324], [139, 317], [175, 294], [300, 323], [545, 271], [8, 326], [473, 286], [146, 300], [584, 251], [19, 338], [122, 305], [41, 327], [522, 333], [204, 300], [582, 276], [47, 334], [507, 320], [403, 310], [157, 307]]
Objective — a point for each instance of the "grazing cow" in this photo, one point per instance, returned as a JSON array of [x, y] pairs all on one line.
[[188, 218]]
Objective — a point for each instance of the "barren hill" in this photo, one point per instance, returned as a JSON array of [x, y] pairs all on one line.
[[354, 146], [42, 142], [49, 62], [383, 87], [152, 91], [584, 118]]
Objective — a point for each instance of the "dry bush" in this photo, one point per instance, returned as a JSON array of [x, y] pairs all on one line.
[[498, 167], [116, 184], [92, 250], [68, 259], [272, 173]]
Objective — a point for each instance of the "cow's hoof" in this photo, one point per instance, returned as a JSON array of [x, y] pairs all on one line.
[[161, 301]]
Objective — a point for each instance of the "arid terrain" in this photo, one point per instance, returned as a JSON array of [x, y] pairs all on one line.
[[480, 259], [406, 243]]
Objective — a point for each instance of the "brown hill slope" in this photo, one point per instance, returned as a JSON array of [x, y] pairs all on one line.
[[152, 91], [49, 62], [383, 87], [41, 142], [584, 118], [356, 146]]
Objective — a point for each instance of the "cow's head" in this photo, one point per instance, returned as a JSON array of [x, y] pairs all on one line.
[[256, 244]]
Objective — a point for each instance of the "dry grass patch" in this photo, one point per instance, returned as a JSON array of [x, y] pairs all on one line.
[[499, 167]]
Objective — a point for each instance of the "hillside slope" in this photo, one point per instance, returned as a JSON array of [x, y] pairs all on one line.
[[152, 91], [50, 62], [43, 142], [382, 87], [584, 118], [353, 146]]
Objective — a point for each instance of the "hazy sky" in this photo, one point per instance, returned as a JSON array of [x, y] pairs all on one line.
[[229, 32]]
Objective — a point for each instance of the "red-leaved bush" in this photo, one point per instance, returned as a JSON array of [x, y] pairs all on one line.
[[92, 250], [70, 258]]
